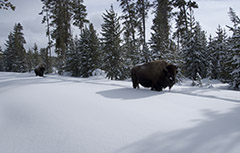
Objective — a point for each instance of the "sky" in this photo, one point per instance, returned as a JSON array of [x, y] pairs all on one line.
[[210, 14]]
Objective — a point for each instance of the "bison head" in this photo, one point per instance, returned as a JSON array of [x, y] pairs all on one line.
[[170, 72], [39, 70]]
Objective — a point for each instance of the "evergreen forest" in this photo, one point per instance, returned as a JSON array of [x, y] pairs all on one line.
[[122, 42]]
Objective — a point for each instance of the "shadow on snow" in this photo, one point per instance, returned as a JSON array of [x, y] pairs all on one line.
[[219, 133], [128, 93]]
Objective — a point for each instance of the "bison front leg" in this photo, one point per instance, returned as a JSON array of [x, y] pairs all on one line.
[[156, 87]]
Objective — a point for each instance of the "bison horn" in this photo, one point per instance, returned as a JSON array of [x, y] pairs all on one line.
[[165, 69]]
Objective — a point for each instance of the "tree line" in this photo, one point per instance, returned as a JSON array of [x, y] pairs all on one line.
[[122, 42]]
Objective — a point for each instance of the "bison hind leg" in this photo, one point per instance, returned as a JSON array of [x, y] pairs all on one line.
[[135, 85], [135, 82]]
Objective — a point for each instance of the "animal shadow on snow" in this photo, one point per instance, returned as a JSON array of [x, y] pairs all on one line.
[[201, 92], [219, 133], [129, 93]]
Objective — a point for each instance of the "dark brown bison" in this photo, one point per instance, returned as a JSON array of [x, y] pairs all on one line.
[[156, 74], [39, 70]]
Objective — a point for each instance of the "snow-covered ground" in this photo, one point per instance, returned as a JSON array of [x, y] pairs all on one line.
[[58, 114]]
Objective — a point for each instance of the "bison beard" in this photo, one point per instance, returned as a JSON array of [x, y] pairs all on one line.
[[39, 70], [156, 74]]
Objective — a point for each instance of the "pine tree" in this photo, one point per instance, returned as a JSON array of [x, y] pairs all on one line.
[[83, 54], [113, 60], [219, 54], [94, 48], [5, 4], [160, 39], [30, 60], [46, 20], [19, 42], [15, 54], [9, 54], [60, 14], [36, 56], [234, 47], [210, 58], [62, 32], [143, 7], [194, 54], [1, 60], [79, 14], [130, 22], [89, 51], [73, 58], [183, 19], [185, 23], [46, 60]]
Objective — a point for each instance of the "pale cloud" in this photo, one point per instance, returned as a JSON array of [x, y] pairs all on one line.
[[96, 8], [26, 13], [212, 13], [34, 32], [97, 20], [34, 25]]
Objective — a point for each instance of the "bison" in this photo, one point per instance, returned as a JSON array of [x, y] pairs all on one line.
[[156, 75], [39, 70]]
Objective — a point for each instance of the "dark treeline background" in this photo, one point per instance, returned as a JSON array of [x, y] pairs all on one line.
[[122, 42]]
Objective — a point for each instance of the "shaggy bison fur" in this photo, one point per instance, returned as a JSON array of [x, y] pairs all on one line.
[[39, 70], [155, 75]]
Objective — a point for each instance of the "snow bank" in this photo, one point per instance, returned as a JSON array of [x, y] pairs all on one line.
[[99, 72]]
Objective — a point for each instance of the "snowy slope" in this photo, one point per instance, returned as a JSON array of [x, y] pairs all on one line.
[[59, 114]]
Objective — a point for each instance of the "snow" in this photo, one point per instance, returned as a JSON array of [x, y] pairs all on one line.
[[60, 114]]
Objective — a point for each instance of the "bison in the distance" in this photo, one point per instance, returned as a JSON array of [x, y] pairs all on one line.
[[157, 75], [39, 70]]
